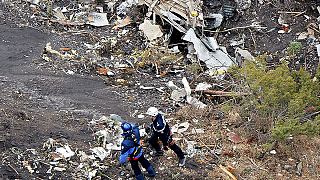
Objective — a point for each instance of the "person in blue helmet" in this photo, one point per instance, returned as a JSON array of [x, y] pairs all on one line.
[[162, 131], [132, 151]]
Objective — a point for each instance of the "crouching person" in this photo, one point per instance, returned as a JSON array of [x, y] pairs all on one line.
[[132, 151]]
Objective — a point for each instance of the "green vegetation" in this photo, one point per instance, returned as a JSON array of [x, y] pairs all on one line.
[[294, 48], [194, 68], [282, 96]]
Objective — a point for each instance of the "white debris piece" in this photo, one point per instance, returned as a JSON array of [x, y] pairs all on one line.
[[50, 143], [142, 132], [175, 49], [64, 9], [100, 152], [151, 31], [116, 117], [60, 169], [242, 55], [191, 151], [172, 86], [197, 131], [186, 86], [218, 19], [92, 174], [195, 102], [93, 46], [191, 100], [98, 19], [83, 156], [318, 49], [65, 151], [203, 86], [58, 14], [213, 43], [303, 35], [217, 59], [236, 43], [112, 146], [146, 87], [243, 4], [178, 95], [36, 2], [123, 7], [70, 72], [180, 128], [27, 166], [273, 152], [141, 116]]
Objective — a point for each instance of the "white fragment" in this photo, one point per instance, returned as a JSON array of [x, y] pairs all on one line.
[[151, 31], [98, 19], [218, 19], [273, 152], [217, 59], [203, 86], [318, 49], [141, 116], [197, 131], [65, 151], [100, 152], [70, 72], [60, 169], [180, 128], [146, 87]]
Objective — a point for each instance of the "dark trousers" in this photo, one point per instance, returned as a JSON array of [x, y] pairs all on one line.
[[135, 166], [166, 139]]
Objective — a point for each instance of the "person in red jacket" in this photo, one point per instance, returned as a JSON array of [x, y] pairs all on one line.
[[162, 131]]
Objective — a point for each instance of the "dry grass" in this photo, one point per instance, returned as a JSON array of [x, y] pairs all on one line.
[[250, 158]]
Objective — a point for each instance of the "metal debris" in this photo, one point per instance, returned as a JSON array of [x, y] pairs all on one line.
[[214, 56]]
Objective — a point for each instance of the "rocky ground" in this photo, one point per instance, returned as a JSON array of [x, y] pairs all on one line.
[[44, 96]]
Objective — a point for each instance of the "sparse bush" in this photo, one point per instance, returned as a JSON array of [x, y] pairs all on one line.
[[194, 68], [294, 48]]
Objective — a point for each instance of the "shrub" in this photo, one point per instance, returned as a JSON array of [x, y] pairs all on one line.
[[281, 95], [294, 48]]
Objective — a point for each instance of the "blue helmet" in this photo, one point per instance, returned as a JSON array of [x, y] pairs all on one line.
[[126, 127]]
